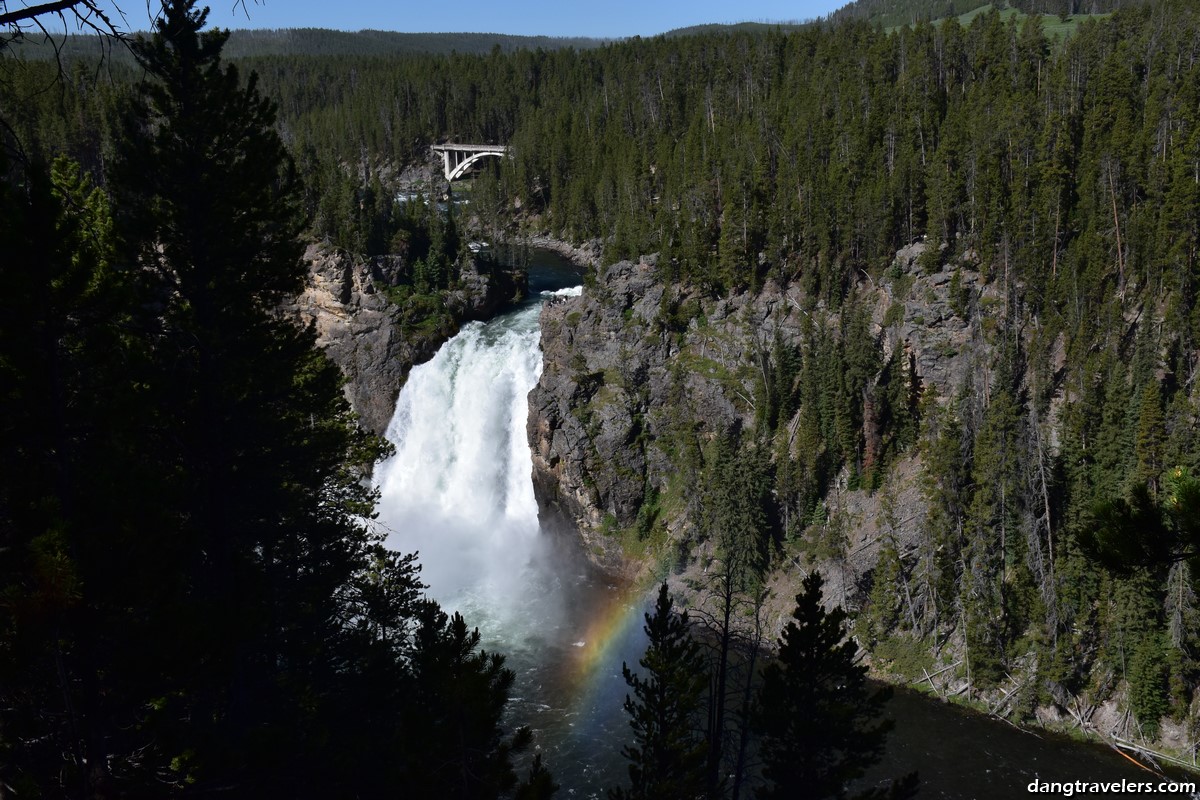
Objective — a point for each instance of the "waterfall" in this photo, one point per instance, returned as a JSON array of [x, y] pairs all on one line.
[[459, 491], [459, 487]]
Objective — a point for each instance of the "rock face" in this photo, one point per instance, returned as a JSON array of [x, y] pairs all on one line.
[[368, 336], [588, 408], [632, 360]]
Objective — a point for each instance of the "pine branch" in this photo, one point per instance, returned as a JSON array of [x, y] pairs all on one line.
[[30, 12]]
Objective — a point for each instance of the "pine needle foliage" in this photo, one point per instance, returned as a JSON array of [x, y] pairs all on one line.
[[668, 757]]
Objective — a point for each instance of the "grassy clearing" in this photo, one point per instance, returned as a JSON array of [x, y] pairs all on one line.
[[1053, 25]]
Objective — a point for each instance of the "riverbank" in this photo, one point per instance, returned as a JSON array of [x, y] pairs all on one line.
[[960, 752], [587, 254]]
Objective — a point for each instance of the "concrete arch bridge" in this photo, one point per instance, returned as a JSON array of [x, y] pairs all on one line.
[[457, 159]]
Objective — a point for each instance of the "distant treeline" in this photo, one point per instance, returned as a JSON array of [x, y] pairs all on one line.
[[319, 42]]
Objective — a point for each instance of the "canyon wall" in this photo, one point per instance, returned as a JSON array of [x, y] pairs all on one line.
[[371, 338]]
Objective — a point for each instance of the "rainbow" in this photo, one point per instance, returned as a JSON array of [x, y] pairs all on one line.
[[592, 685], [608, 628]]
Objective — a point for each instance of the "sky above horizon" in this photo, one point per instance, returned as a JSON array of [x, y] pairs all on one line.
[[612, 19]]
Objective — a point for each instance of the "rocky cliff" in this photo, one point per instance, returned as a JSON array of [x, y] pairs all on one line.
[[374, 340], [631, 363], [641, 376]]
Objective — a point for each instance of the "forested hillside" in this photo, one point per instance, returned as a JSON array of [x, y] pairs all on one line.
[[1053, 194], [1050, 188], [314, 42], [889, 13]]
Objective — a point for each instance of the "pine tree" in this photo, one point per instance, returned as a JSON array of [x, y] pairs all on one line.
[[735, 505], [250, 434], [668, 759], [1142, 531], [66, 422], [454, 745], [262, 607], [820, 722], [1147, 676], [1151, 438], [884, 610], [539, 784]]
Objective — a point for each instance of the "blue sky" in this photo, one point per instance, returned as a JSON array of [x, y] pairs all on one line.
[[601, 18]]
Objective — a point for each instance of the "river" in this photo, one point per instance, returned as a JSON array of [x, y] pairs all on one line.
[[459, 491]]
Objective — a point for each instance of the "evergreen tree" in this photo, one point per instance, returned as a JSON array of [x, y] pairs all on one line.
[[1141, 531], [1147, 676], [1151, 439], [736, 508], [819, 720], [67, 423], [884, 611], [539, 784], [198, 605], [455, 746], [991, 540], [250, 433], [668, 759]]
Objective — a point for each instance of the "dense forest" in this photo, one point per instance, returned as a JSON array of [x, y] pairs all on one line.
[[1066, 175], [1060, 542]]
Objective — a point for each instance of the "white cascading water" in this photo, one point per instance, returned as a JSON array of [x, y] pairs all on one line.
[[459, 491], [459, 487]]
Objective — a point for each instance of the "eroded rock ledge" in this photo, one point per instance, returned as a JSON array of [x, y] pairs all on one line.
[[366, 334]]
